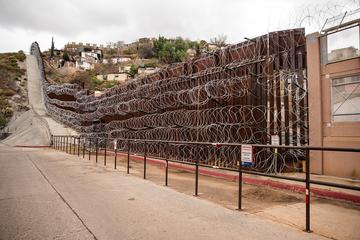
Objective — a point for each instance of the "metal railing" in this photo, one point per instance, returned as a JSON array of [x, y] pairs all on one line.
[[78, 145]]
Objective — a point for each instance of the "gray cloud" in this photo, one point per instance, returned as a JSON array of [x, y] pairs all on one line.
[[94, 21], [60, 17]]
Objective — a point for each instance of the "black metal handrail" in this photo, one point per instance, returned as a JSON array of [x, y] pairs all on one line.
[[61, 142]]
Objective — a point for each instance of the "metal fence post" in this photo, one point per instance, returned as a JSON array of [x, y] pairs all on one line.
[[128, 158], [74, 145], [115, 158], [67, 143], [167, 166], [196, 177], [89, 148], [307, 192], [240, 183], [105, 152], [83, 142], [78, 141], [145, 152], [96, 150]]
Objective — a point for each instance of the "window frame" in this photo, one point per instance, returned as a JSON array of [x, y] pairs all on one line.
[[324, 44], [332, 98]]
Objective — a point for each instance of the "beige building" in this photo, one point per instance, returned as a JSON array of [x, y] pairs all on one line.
[[333, 65], [121, 77]]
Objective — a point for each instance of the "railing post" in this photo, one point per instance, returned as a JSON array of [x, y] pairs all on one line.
[[67, 143], [96, 150], [89, 148], [128, 158], [240, 183], [307, 192], [78, 141], [196, 177], [115, 158], [69, 151], [74, 145], [83, 142], [167, 165], [145, 152], [105, 152]]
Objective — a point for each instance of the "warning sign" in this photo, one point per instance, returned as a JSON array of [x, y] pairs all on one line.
[[275, 140], [246, 154]]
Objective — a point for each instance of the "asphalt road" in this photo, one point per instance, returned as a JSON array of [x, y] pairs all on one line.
[[46, 194]]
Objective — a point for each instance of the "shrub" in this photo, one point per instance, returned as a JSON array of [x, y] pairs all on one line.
[[20, 56], [110, 84], [133, 70]]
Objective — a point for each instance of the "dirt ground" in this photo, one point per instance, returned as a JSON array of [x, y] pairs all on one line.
[[330, 218]]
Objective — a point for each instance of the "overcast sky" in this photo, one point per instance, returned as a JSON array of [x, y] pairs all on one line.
[[102, 21]]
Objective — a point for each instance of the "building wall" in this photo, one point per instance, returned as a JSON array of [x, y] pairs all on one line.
[[323, 130]]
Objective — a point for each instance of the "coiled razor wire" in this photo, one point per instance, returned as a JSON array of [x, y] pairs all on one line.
[[244, 93]]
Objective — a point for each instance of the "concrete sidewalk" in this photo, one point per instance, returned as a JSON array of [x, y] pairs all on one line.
[[46, 194]]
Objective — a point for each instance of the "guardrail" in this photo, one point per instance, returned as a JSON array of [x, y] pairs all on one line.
[[81, 145]]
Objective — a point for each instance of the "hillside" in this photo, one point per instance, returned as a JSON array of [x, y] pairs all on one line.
[[13, 93], [64, 65]]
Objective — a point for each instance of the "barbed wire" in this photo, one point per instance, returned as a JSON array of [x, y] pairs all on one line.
[[244, 93]]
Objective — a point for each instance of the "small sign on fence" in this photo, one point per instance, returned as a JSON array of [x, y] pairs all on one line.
[[246, 155], [115, 144], [275, 140]]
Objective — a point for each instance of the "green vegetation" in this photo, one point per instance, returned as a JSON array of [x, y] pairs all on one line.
[[133, 70], [129, 51], [6, 112], [110, 84], [10, 74], [66, 57], [173, 50], [52, 48]]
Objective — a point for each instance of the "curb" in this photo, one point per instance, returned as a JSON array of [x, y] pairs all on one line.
[[23, 146]]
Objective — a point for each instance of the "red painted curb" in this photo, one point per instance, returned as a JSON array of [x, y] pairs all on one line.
[[32, 146]]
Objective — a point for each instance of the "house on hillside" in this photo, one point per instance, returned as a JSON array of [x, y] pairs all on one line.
[[147, 70], [121, 77], [88, 58]]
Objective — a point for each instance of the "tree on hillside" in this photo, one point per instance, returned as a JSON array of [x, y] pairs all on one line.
[[219, 41], [66, 56], [52, 48], [172, 50], [145, 50]]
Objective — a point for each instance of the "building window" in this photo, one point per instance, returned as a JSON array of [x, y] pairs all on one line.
[[346, 99], [340, 45]]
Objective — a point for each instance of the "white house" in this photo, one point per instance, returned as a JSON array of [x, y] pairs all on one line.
[[145, 71], [121, 77]]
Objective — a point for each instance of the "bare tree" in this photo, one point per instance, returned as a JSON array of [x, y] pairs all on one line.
[[219, 41]]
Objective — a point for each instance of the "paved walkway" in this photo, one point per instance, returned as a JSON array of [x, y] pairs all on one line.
[[46, 194]]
